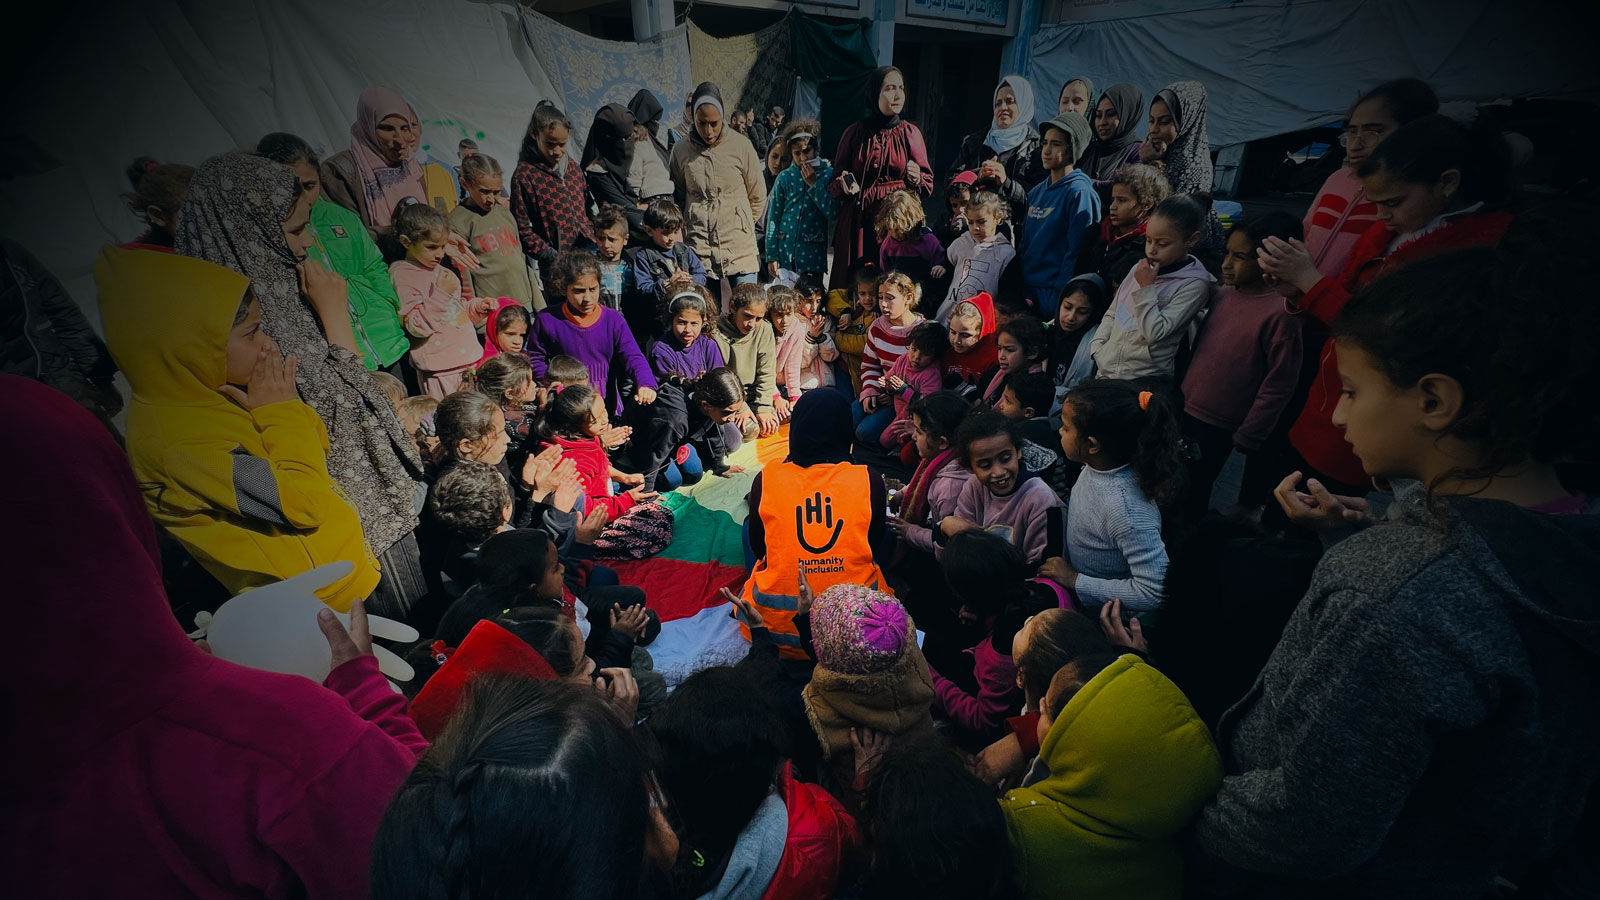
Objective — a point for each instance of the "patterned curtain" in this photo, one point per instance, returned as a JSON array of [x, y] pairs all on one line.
[[755, 71]]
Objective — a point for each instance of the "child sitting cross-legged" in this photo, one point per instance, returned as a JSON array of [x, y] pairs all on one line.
[[916, 374], [749, 348], [572, 419], [886, 343], [781, 305], [806, 351]]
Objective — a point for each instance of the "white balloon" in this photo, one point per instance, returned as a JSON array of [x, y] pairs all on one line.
[[274, 628]]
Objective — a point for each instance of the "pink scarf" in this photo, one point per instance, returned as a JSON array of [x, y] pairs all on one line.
[[384, 185]]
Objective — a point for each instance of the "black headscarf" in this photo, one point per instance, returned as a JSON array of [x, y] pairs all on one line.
[[1101, 159], [875, 116], [610, 141], [820, 430], [646, 111]]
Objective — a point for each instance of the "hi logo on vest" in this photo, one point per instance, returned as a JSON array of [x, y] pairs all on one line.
[[817, 511]]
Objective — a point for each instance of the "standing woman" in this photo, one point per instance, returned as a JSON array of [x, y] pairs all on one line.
[[616, 172], [241, 212], [647, 112], [1177, 140], [722, 192], [1007, 158], [1075, 97], [881, 154], [1116, 136], [380, 169]]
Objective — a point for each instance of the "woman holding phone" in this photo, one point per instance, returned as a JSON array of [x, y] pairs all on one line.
[[878, 155]]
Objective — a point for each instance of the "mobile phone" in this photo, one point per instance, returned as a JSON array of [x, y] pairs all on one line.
[[848, 180]]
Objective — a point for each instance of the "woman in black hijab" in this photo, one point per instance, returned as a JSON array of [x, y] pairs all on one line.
[[647, 113], [615, 172], [882, 153]]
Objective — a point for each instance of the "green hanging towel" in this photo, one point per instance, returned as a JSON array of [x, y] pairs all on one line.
[[838, 59]]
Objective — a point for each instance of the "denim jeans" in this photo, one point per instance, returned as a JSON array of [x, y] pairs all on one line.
[[690, 472], [870, 425]]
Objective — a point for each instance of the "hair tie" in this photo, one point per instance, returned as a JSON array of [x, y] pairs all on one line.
[[684, 293], [557, 388], [441, 652], [1144, 400], [150, 165], [428, 429]]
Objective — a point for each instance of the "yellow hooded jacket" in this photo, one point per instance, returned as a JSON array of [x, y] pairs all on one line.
[[1131, 763], [246, 492]]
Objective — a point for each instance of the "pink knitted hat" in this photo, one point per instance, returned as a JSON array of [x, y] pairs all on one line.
[[857, 630]]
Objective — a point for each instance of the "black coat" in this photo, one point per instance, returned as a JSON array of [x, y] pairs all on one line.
[[1024, 169]]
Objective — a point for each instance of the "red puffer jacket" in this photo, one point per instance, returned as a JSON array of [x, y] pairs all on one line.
[[1313, 433], [822, 838]]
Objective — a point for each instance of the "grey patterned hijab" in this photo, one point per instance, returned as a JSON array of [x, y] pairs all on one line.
[[233, 216], [1188, 160]]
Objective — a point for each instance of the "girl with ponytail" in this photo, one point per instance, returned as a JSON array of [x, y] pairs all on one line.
[[1128, 441]]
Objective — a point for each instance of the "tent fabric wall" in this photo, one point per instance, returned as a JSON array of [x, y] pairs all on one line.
[[1275, 66], [755, 71], [185, 81], [838, 59], [588, 72]]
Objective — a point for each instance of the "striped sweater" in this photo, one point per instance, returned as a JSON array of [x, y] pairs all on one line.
[[885, 344]]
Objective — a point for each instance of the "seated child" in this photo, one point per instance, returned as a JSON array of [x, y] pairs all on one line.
[[662, 267], [467, 504], [1068, 336], [886, 343], [506, 330], [800, 211], [971, 330], [616, 273], [1025, 399], [853, 312], [934, 487], [869, 675], [749, 348], [507, 379], [989, 581], [906, 245], [484, 220], [234, 463], [1003, 497], [438, 308], [581, 328], [1246, 362], [392, 387], [1096, 710], [572, 419], [914, 375], [780, 315], [1019, 347], [684, 354], [1115, 244], [416, 414], [1129, 444], [981, 256], [925, 807], [806, 352], [1151, 313], [715, 727]]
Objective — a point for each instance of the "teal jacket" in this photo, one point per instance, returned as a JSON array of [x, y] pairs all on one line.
[[347, 248]]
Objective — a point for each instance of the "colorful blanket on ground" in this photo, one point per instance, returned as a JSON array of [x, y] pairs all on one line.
[[683, 583]]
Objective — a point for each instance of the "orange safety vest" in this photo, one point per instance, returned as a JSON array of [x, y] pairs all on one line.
[[819, 514]]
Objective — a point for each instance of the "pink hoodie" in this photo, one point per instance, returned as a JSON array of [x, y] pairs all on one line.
[[150, 768]]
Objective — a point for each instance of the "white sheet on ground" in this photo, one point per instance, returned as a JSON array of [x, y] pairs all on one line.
[[708, 638]]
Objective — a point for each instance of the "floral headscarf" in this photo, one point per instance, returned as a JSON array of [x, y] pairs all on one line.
[[1188, 159]]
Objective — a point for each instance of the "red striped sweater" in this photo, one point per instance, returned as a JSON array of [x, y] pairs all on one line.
[[885, 344]]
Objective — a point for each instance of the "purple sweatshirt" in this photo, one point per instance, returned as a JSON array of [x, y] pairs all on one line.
[[1020, 517], [669, 360], [600, 346]]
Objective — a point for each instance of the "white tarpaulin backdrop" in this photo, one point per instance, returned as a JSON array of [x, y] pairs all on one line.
[[1274, 66], [182, 81]]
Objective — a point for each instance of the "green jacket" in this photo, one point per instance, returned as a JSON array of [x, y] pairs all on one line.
[[1130, 765], [374, 309]]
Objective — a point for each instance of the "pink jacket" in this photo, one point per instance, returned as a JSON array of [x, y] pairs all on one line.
[[921, 381], [943, 493], [802, 365], [983, 715], [1338, 217], [437, 307], [153, 769]]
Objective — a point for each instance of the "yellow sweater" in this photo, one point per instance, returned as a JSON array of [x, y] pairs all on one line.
[[246, 492]]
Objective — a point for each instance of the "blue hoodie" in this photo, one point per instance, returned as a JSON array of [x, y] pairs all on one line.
[[1058, 214]]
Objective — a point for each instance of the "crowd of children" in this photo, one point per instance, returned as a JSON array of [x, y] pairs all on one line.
[[998, 682]]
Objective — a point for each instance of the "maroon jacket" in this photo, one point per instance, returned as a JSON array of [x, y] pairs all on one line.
[[552, 211], [877, 158]]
